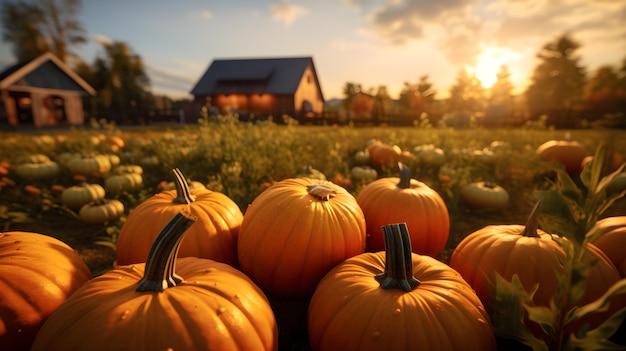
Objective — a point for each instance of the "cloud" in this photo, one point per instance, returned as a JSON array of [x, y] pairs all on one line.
[[206, 14], [286, 13], [103, 40], [462, 29]]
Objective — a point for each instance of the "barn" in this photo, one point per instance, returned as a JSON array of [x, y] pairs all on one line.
[[256, 88], [42, 92]]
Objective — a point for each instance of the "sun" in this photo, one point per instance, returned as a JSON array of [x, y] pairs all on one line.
[[489, 63]]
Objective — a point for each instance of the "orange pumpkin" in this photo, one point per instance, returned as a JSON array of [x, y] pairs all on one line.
[[384, 155], [295, 231], [569, 153], [213, 237], [405, 200], [537, 259], [164, 304], [397, 300], [37, 274], [609, 235]]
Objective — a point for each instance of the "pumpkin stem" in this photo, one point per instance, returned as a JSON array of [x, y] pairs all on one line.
[[159, 270], [398, 259], [321, 191], [405, 176], [532, 223], [183, 195]]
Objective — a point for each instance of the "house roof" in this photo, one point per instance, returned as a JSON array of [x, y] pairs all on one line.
[[46, 72], [253, 76]]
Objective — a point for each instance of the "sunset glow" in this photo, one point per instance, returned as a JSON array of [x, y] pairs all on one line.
[[489, 63], [371, 43]]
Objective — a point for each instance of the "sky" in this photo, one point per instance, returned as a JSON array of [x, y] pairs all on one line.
[[367, 42]]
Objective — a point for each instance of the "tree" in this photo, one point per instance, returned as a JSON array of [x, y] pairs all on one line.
[[603, 93], [382, 104], [35, 28], [120, 79], [467, 95], [21, 25], [416, 98], [557, 82], [499, 111]]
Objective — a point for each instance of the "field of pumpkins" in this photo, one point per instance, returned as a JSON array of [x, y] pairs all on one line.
[[236, 236]]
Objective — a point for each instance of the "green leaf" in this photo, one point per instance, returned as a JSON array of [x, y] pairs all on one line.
[[546, 317], [592, 172], [598, 338], [600, 305], [508, 320]]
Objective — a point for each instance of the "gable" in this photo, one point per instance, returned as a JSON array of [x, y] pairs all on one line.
[[45, 72], [253, 76]]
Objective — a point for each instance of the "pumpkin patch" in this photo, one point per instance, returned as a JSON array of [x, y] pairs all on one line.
[[292, 237]]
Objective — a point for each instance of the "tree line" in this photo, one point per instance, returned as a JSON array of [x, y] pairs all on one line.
[[561, 91]]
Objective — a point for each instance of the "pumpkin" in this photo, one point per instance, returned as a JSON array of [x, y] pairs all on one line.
[[609, 235], [90, 165], [38, 169], [101, 211], [165, 304], [214, 236], [484, 156], [405, 200], [396, 300], [364, 174], [536, 258], [295, 231], [120, 183], [613, 162], [76, 196], [362, 157], [484, 195], [310, 172], [430, 155], [569, 153], [37, 274], [384, 155], [115, 141], [128, 168]]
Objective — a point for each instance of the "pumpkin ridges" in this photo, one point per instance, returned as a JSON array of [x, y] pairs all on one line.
[[215, 237], [343, 301], [177, 315], [429, 231], [37, 274], [277, 227]]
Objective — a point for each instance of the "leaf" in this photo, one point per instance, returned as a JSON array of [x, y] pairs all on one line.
[[592, 172], [598, 338], [509, 305], [600, 305], [546, 317]]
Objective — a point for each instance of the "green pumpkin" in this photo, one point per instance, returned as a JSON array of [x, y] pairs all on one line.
[[38, 168], [101, 211], [484, 195], [120, 183], [76, 196]]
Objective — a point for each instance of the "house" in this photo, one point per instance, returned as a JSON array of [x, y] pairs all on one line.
[[260, 87], [42, 92]]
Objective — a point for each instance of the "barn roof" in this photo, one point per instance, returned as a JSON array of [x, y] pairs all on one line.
[[46, 72], [253, 76]]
